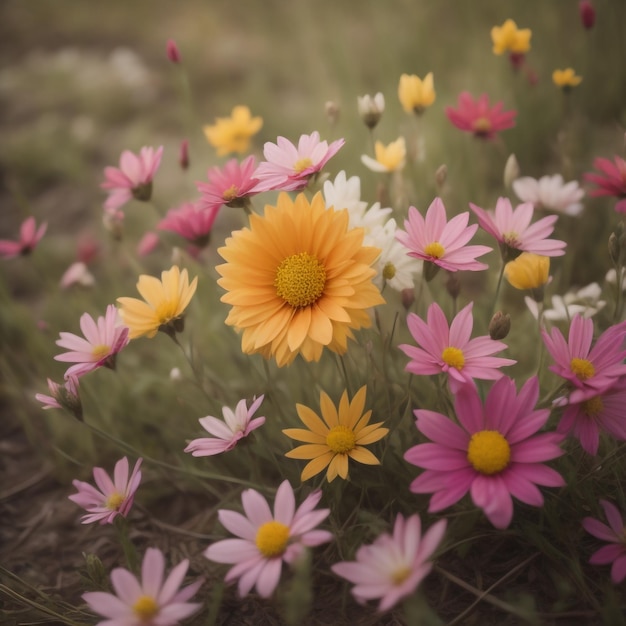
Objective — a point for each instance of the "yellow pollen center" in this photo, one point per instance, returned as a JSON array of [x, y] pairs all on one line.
[[510, 239], [301, 164], [453, 357], [145, 608], [400, 575], [114, 501], [271, 539], [231, 193], [593, 407], [488, 452], [341, 439], [583, 368], [300, 279], [435, 250], [100, 351], [389, 271], [482, 126]]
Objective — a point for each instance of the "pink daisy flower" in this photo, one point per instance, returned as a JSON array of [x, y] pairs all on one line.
[[133, 178], [393, 566], [63, 396], [603, 412], [230, 185], [112, 498], [288, 167], [439, 242], [190, 222], [476, 116], [450, 350], [103, 340], [264, 540], [493, 453], [149, 602], [612, 180], [30, 236], [226, 433], [589, 370], [514, 232], [615, 535]]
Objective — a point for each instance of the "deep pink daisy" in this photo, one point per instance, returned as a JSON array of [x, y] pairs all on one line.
[[439, 242], [289, 168], [450, 350], [190, 222], [30, 236], [476, 116], [493, 452], [230, 185], [612, 180], [589, 370], [514, 232]]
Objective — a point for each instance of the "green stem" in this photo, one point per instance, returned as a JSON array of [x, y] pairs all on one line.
[[130, 552], [498, 287]]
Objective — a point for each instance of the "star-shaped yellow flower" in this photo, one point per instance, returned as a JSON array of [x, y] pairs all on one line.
[[232, 134]]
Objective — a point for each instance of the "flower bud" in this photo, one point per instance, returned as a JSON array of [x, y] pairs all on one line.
[[453, 286], [113, 221], [441, 175], [173, 53], [183, 155], [587, 13], [408, 298], [332, 112], [499, 326], [371, 109], [511, 171], [617, 245]]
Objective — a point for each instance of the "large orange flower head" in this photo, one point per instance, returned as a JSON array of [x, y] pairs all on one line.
[[298, 280]]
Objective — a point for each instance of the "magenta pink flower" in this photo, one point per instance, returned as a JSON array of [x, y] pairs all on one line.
[[115, 497], [439, 242], [30, 236], [494, 453], [103, 339], [191, 222], [615, 535], [476, 116], [514, 232], [612, 180], [393, 566], [230, 185], [64, 396], [226, 433], [265, 540], [585, 420], [450, 349], [589, 370], [133, 178], [289, 168], [149, 602]]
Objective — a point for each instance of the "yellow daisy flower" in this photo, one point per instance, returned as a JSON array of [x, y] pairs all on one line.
[[510, 38], [416, 94], [389, 158], [529, 271], [232, 134], [165, 303], [566, 79], [340, 435], [298, 280]]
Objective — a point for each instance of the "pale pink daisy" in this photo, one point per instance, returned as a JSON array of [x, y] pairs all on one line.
[[133, 178], [615, 535], [77, 274], [585, 420], [479, 118], [439, 242], [148, 243], [393, 566], [150, 601], [265, 540], [589, 370], [550, 193], [103, 340], [112, 498], [514, 232], [230, 185], [30, 236], [226, 433], [65, 396], [612, 180], [450, 350], [289, 168], [493, 452], [191, 222]]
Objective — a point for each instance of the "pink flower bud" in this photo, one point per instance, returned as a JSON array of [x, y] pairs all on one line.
[[183, 158], [173, 53], [587, 13]]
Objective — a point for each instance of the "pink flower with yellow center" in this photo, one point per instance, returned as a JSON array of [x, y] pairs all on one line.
[[479, 118], [289, 168], [30, 236], [611, 181], [190, 222], [493, 452]]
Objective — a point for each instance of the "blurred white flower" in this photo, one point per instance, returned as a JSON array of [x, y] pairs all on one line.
[[611, 277], [585, 301], [371, 108], [550, 192]]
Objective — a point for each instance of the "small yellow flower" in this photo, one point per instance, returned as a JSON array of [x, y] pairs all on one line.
[[528, 271], [509, 38], [388, 158], [340, 435], [232, 134], [165, 303], [416, 94], [566, 79]]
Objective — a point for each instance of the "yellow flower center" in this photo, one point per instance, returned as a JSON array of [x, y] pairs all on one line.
[[510, 239], [482, 126], [300, 279], [389, 271], [435, 250], [583, 368], [145, 608], [271, 539], [114, 501], [166, 311], [301, 164], [488, 452], [593, 407], [100, 351], [453, 357], [341, 439], [400, 575], [230, 194]]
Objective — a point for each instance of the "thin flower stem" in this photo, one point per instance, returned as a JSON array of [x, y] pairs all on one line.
[[498, 287], [542, 351], [619, 300], [130, 551]]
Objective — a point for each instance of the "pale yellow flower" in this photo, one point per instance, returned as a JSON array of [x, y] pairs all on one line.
[[416, 94], [509, 38], [388, 158], [232, 134], [566, 79]]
